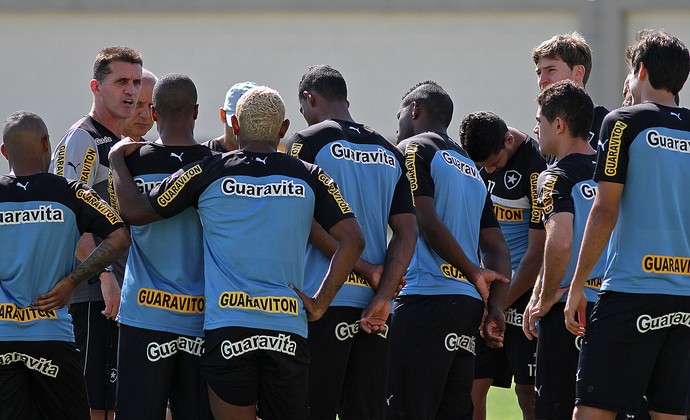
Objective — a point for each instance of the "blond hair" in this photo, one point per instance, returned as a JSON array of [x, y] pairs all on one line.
[[260, 113]]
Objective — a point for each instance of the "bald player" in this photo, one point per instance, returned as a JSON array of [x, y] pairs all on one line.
[[141, 122], [40, 371]]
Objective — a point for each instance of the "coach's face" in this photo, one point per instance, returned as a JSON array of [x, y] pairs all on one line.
[[118, 92]]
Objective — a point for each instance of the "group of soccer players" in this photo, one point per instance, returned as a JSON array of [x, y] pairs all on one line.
[[349, 276]]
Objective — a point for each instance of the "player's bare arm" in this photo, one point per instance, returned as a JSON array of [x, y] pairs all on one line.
[[321, 240], [398, 255], [134, 205], [441, 240], [350, 239], [108, 251], [557, 253], [495, 256], [528, 269], [600, 223]]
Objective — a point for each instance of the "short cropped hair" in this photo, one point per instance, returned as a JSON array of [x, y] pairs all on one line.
[[324, 80], [101, 67], [482, 135], [567, 100], [260, 113], [664, 56], [430, 96], [174, 95], [21, 126], [571, 48]]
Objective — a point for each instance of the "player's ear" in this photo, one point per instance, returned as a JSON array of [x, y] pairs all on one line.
[[235, 124], [309, 98], [95, 86], [284, 128], [579, 73], [154, 114], [508, 140], [221, 113], [414, 110], [46, 143], [196, 111], [3, 151], [560, 125], [642, 72]]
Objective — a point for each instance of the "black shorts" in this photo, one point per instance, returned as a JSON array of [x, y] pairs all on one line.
[[521, 352], [432, 346], [636, 345], [517, 358], [246, 366], [96, 338], [491, 363], [343, 360], [557, 354], [172, 363], [41, 380]]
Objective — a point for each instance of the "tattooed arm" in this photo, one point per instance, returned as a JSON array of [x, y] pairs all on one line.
[[112, 247]]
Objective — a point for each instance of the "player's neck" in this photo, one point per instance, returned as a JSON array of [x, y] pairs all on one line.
[[574, 145], [434, 128], [177, 135], [259, 146], [26, 169], [658, 96], [114, 124], [337, 111]]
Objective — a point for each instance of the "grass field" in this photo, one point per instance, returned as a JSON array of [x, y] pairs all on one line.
[[502, 405]]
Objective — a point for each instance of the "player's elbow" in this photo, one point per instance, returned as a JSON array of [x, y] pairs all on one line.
[[404, 226], [138, 213], [134, 218], [353, 238], [357, 240], [120, 239]]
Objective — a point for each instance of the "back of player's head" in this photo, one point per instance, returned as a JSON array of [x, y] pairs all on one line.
[[174, 96], [571, 48], [664, 56], [482, 135], [101, 67], [571, 103], [324, 80], [431, 97], [260, 113], [22, 129]]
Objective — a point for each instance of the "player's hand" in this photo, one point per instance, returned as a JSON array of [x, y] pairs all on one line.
[[403, 283], [483, 279], [375, 315], [370, 272], [111, 295], [494, 327], [57, 297], [526, 321], [576, 305], [540, 308], [125, 147], [314, 311]]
